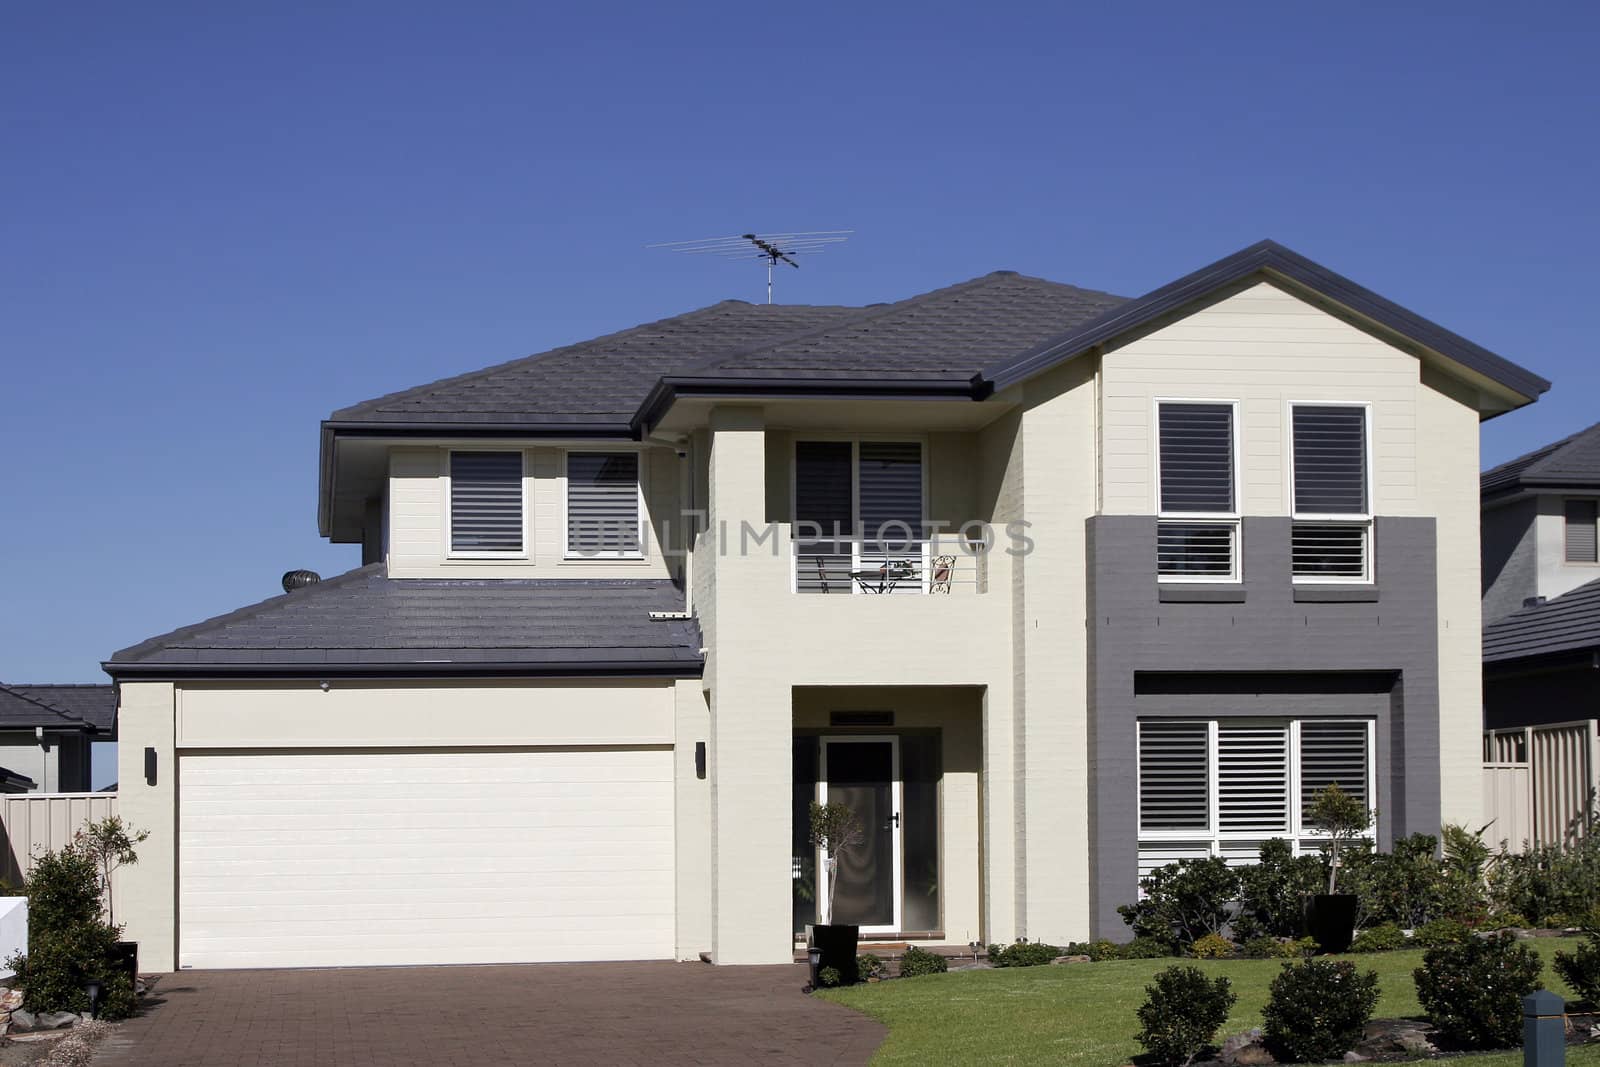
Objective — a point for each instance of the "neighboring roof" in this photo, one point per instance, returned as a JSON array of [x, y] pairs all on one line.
[[13, 782], [589, 385], [23, 708], [1566, 624], [362, 622], [93, 704], [1572, 462]]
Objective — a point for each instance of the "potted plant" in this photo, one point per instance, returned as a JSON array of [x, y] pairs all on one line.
[[1331, 916], [835, 829], [111, 843]]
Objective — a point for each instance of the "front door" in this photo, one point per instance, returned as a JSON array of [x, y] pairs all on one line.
[[864, 773]]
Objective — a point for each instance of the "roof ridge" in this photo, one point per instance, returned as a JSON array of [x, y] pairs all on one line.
[[870, 312], [134, 652], [455, 379]]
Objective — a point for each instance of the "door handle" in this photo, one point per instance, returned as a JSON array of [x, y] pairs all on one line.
[[894, 821]]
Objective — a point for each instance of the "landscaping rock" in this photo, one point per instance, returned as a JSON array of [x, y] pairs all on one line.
[[23, 1020], [1355, 1057], [1252, 1056], [39, 1035], [57, 1020], [10, 999], [1070, 959]]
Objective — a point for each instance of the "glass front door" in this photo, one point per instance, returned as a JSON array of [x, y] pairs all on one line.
[[864, 773]]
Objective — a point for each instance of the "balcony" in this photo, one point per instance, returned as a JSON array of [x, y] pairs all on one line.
[[859, 567]]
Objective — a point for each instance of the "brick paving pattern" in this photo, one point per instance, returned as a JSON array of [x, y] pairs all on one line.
[[581, 1013]]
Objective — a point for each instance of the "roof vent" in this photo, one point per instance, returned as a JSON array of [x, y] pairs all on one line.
[[293, 580], [1527, 602]]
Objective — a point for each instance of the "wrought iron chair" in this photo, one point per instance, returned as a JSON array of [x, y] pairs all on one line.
[[944, 568]]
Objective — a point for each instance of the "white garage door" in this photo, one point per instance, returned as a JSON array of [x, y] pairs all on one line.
[[320, 859]]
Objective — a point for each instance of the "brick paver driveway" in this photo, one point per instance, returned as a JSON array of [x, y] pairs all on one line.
[[604, 1013]]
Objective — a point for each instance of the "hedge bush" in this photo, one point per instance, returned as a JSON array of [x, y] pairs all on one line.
[[1581, 969], [1181, 1014], [1385, 937], [869, 966], [1184, 901], [68, 944], [1272, 892], [1211, 947], [1023, 954], [1440, 932], [1317, 1009], [919, 961], [1144, 948], [1472, 990]]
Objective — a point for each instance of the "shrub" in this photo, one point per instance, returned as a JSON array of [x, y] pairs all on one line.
[[1102, 950], [1144, 948], [919, 961], [829, 977], [1402, 886], [869, 966], [1440, 932], [1581, 969], [1269, 948], [1184, 901], [1022, 954], [1548, 884], [1211, 947], [1272, 892], [1181, 1014], [1344, 818], [68, 944], [1472, 990], [1317, 1010], [1383, 938]]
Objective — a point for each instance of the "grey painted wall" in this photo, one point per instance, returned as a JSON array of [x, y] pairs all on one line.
[[1510, 558], [1268, 654]]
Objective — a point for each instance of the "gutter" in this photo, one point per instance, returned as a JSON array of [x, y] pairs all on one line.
[[154, 672]]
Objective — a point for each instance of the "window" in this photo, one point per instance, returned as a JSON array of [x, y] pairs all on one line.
[[1332, 530], [1581, 541], [486, 503], [603, 505], [857, 506], [1196, 457], [1223, 786]]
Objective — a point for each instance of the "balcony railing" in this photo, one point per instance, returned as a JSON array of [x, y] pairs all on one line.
[[870, 568]]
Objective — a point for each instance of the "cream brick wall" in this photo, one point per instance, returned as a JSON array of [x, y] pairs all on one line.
[[692, 796], [146, 717]]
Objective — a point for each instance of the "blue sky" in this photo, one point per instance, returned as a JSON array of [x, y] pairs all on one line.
[[222, 223]]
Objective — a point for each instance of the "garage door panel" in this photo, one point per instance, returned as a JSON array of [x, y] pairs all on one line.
[[366, 858]]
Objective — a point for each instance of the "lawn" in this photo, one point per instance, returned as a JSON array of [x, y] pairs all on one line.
[[1084, 1013]]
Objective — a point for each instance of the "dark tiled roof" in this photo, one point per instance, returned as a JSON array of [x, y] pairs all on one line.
[[594, 382], [1572, 462], [13, 782], [1568, 623], [948, 333], [93, 704], [20, 711], [364, 621]]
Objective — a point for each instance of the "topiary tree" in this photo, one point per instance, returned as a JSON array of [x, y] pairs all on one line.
[[1317, 1010], [1181, 1014], [1472, 989], [110, 843], [1344, 818], [835, 829]]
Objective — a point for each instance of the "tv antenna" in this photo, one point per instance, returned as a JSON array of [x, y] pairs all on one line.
[[775, 248]]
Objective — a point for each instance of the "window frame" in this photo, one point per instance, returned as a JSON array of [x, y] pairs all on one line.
[[1231, 519], [1566, 524], [799, 437], [468, 554], [642, 516], [1213, 836], [1364, 521]]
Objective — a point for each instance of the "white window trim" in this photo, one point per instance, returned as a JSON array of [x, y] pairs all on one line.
[[797, 437], [1216, 839], [450, 550], [1228, 518], [1363, 520], [562, 488]]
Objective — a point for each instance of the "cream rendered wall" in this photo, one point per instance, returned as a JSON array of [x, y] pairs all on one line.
[[20, 751], [1555, 575], [419, 533], [145, 718], [1448, 477], [958, 715], [359, 714], [1264, 348], [692, 796]]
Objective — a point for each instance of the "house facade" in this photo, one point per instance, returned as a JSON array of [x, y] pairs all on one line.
[[46, 734], [1051, 586]]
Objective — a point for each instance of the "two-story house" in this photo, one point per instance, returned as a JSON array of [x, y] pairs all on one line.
[[1051, 586], [1541, 641]]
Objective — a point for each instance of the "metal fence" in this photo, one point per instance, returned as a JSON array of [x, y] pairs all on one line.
[[34, 823], [1539, 782]]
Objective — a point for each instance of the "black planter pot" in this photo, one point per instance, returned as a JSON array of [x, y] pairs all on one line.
[[838, 943], [1331, 920], [125, 958]]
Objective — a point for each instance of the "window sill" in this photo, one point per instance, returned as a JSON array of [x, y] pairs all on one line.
[[1201, 594], [1336, 594]]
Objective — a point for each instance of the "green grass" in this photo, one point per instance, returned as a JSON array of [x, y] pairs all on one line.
[[1085, 1013]]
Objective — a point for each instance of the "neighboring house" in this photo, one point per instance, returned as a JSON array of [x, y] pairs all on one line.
[[1541, 641], [1050, 585], [46, 733], [1539, 523]]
